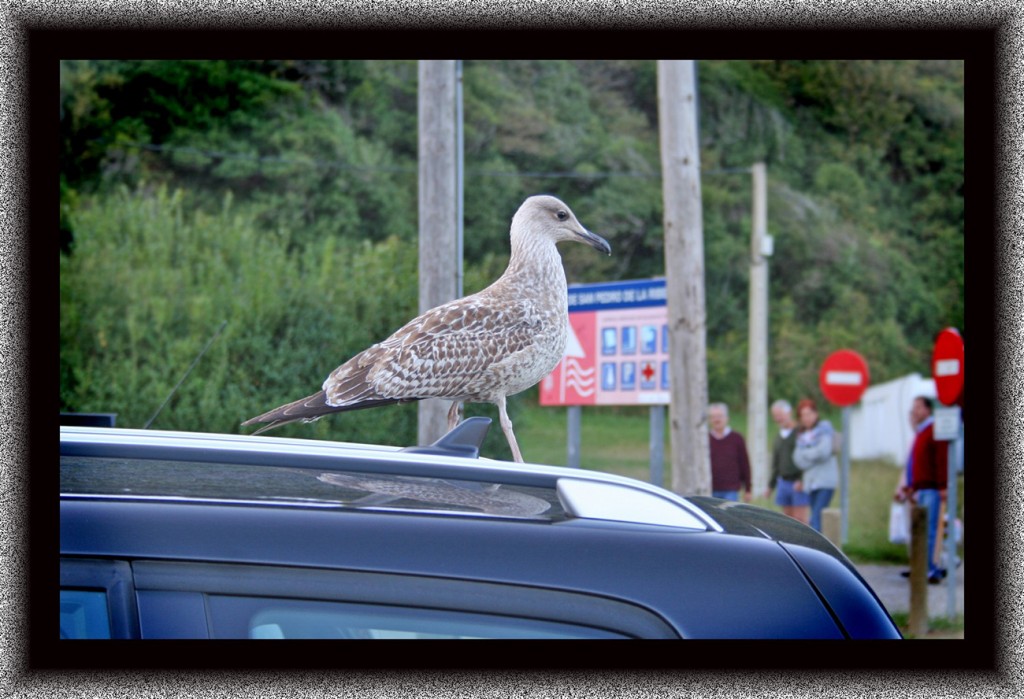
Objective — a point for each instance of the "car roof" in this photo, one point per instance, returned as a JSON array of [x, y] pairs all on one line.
[[185, 498], [189, 466]]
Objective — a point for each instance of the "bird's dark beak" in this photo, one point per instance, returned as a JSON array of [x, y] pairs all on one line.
[[595, 241]]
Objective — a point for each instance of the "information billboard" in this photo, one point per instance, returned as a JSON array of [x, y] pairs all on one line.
[[617, 352]]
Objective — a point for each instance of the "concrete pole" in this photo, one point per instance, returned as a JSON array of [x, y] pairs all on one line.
[[437, 210], [657, 445], [757, 365], [684, 277], [574, 416], [844, 477]]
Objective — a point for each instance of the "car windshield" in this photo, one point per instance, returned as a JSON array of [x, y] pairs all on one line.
[[156, 478]]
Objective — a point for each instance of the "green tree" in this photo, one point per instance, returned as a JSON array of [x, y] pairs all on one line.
[[278, 194]]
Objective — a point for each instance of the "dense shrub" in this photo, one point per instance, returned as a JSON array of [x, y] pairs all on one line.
[[262, 193], [151, 281]]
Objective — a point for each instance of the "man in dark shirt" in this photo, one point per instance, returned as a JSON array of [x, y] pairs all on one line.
[[730, 465], [786, 476]]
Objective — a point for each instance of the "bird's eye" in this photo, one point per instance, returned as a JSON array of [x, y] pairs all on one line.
[[562, 215]]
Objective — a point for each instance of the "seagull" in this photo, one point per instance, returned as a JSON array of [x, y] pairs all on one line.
[[481, 348]]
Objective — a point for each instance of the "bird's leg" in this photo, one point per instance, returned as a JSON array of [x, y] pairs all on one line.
[[454, 414], [506, 427]]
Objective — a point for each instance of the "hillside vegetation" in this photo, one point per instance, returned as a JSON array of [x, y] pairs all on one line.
[[280, 197]]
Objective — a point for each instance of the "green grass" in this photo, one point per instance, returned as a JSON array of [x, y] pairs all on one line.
[[615, 440], [938, 626]]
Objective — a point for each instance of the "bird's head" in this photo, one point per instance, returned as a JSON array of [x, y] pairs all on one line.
[[549, 217]]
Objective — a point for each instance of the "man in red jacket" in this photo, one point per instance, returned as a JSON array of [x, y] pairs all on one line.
[[925, 480]]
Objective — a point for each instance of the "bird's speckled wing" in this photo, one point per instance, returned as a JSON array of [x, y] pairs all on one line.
[[465, 349]]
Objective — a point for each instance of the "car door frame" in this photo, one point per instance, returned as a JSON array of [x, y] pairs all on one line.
[[112, 577]]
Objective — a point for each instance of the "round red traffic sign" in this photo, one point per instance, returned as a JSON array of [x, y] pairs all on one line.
[[948, 366], [844, 377]]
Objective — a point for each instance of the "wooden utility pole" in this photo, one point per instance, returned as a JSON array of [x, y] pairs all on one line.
[[684, 277], [757, 366], [438, 270], [919, 553]]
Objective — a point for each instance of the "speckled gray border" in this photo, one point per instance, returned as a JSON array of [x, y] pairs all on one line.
[[15, 681], [1009, 345]]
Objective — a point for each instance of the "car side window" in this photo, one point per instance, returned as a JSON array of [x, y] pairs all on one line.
[[84, 614], [268, 618], [212, 600]]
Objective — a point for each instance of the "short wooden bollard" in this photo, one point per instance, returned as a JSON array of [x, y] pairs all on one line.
[[831, 527], [918, 622]]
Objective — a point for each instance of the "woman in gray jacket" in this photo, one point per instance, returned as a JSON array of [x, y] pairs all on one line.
[[814, 455]]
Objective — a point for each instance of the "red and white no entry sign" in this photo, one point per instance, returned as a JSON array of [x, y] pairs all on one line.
[[844, 377], [948, 366]]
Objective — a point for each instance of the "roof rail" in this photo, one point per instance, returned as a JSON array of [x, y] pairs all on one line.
[[618, 498]]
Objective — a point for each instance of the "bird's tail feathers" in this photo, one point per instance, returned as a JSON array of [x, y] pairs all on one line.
[[308, 409], [272, 425]]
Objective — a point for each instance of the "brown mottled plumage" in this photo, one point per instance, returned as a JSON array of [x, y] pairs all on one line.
[[477, 349]]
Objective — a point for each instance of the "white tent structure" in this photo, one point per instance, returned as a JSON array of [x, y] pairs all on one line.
[[880, 424]]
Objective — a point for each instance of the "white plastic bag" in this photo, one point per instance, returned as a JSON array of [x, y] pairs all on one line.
[[899, 523]]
